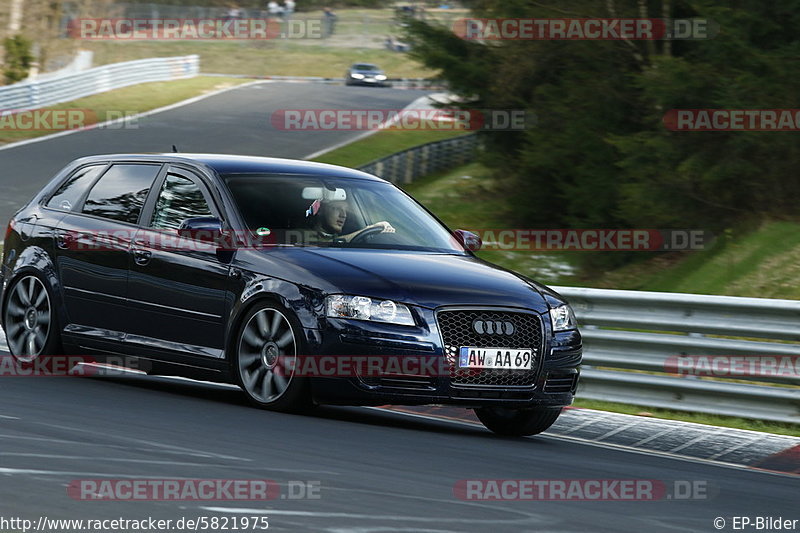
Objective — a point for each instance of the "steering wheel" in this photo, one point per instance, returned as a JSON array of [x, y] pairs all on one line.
[[366, 234]]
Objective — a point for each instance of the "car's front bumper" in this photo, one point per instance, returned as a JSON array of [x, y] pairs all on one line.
[[552, 384], [367, 81]]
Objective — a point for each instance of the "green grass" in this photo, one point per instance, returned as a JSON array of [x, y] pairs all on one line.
[[129, 101], [381, 144], [469, 198], [762, 262], [263, 59], [699, 418]]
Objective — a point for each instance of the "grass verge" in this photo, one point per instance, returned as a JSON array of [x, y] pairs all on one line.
[[262, 58], [469, 198], [126, 101], [381, 144], [763, 262]]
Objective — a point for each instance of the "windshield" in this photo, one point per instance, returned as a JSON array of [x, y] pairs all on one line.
[[311, 211], [362, 66]]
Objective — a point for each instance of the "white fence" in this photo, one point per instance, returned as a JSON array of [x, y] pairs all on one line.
[[42, 93]]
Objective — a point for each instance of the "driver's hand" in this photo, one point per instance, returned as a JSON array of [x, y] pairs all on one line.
[[387, 228]]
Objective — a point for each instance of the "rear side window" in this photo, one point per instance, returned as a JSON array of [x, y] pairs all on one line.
[[120, 193], [68, 195], [180, 199]]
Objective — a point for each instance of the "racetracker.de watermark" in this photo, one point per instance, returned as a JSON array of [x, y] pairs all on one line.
[[399, 366], [732, 120], [595, 240], [151, 489], [24, 120], [46, 119], [65, 365], [184, 29], [584, 29], [735, 366], [638, 490], [402, 119]]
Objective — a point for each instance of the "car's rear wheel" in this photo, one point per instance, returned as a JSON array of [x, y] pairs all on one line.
[[267, 349], [517, 422], [30, 321]]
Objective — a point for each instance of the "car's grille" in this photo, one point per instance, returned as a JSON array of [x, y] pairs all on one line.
[[457, 330]]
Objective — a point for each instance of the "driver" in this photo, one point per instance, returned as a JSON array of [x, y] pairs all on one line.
[[330, 218]]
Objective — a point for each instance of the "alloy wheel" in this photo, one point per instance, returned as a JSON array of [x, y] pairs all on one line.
[[28, 318], [267, 355]]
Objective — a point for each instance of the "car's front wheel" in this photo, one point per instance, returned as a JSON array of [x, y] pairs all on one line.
[[267, 349], [30, 321], [517, 422]]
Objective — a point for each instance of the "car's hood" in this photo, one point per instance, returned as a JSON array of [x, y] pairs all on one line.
[[425, 279], [371, 73]]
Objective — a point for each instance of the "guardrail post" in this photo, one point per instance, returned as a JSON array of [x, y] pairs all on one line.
[[33, 94]]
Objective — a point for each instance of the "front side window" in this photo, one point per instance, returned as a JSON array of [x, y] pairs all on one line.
[[68, 195], [180, 198], [356, 213], [121, 192]]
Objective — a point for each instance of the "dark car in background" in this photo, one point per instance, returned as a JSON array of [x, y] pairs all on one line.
[[235, 269], [365, 74]]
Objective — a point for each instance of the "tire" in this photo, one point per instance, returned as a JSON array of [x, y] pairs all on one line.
[[518, 422], [268, 343], [31, 325]]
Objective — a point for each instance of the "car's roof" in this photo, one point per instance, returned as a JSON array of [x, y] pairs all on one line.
[[241, 164], [364, 65]]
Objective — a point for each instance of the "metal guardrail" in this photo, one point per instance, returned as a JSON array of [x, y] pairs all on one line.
[[652, 332], [42, 93], [425, 159]]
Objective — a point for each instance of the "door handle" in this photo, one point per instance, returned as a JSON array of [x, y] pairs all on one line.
[[142, 257]]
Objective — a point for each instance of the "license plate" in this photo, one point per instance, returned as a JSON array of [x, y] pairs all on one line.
[[497, 358]]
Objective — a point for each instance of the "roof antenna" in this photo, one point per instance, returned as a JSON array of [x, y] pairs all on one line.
[[174, 149]]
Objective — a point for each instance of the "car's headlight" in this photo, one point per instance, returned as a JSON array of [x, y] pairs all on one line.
[[563, 318], [357, 76], [380, 77], [364, 308]]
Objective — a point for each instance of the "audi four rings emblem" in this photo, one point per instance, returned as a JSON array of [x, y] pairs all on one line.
[[493, 327]]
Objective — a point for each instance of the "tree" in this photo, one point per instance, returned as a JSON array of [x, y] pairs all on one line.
[[600, 154], [18, 58]]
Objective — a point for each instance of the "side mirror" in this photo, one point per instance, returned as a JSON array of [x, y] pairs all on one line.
[[203, 229], [467, 239]]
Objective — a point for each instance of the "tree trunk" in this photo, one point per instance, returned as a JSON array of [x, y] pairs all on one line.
[[15, 19]]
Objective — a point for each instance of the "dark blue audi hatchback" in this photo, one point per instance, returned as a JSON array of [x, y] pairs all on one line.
[[300, 282]]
